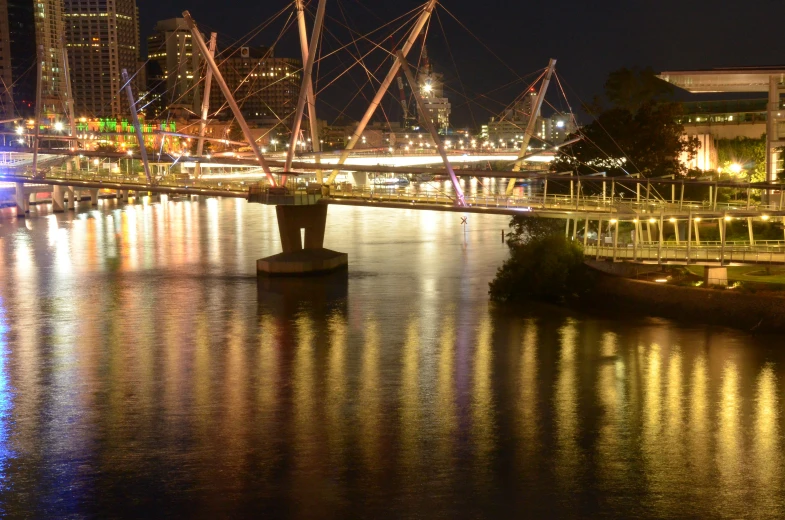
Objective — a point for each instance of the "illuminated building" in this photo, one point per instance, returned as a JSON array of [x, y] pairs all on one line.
[[431, 86], [24, 25], [103, 39], [265, 87], [172, 69]]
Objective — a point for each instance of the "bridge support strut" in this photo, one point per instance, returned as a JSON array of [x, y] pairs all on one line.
[[302, 257]]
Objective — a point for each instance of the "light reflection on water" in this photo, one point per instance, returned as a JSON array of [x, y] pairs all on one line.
[[144, 370]]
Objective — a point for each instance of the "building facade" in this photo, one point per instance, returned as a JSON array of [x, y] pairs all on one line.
[[103, 39], [172, 69], [50, 34], [24, 26], [265, 87], [431, 85]]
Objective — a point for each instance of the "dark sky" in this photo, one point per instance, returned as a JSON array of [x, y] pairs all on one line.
[[588, 38]]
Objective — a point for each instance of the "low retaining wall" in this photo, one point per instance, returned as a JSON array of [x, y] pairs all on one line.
[[759, 312]]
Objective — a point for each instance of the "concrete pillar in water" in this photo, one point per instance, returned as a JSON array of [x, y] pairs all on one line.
[[715, 276], [93, 197], [58, 199], [359, 179], [71, 193], [22, 204], [302, 257]]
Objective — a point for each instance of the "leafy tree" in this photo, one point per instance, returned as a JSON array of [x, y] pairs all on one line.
[[543, 264], [748, 153], [106, 147], [620, 141], [632, 88]]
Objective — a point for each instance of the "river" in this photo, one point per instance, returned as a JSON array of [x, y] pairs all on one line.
[[145, 372]]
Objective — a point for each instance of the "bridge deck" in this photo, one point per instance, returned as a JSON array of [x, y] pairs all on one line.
[[681, 254]]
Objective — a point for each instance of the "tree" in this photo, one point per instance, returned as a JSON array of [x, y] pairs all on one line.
[[744, 157], [632, 88], [543, 265], [620, 141]]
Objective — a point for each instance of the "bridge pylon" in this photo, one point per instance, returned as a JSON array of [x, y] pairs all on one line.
[[302, 255]]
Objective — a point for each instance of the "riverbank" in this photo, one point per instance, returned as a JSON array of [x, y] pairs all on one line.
[[760, 312]]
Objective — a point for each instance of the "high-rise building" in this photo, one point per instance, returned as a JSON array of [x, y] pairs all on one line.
[[50, 34], [172, 68], [265, 87], [103, 39], [432, 91], [24, 26]]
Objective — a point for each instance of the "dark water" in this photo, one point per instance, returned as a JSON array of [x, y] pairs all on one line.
[[144, 372]]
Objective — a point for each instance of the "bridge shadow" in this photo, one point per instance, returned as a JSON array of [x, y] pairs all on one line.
[[318, 296]]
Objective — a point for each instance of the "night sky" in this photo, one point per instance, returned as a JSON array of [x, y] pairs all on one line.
[[589, 39]]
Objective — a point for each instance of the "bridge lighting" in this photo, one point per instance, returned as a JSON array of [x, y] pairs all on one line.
[[21, 141], [672, 220], [59, 126], [728, 219], [764, 217], [130, 153], [735, 168], [697, 219], [19, 130], [427, 88], [652, 220], [613, 221]]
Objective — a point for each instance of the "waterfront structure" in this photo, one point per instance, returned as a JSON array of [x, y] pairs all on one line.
[[265, 86], [102, 39], [744, 79], [172, 69], [25, 26]]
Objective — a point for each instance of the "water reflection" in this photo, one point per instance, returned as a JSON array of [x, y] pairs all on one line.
[[143, 365]]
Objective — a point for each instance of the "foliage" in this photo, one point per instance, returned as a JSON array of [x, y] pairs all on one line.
[[527, 228], [543, 265], [619, 141], [630, 89], [206, 148], [106, 147], [748, 153]]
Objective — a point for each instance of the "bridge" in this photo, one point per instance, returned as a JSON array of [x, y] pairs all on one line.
[[302, 188]]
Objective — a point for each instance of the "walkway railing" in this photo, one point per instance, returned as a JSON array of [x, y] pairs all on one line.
[[712, 254]]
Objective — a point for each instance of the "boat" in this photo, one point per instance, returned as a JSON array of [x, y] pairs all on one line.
[[391, 181]]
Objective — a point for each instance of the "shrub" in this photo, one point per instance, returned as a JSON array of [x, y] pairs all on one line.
[[548, 267]]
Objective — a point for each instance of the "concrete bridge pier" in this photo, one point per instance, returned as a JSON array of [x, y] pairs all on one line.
[[22, 202], [93, 197], [58, 199], [715, 276], [71, 193], [302, 255], [359, 179]]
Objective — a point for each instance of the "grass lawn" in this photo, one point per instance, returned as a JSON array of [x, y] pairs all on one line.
[[749, 273]]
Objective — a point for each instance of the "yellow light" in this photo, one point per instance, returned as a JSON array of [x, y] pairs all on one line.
[[764, 217], [672, 220], [728, 219], [735, 168], [652, 220], [697, 219], [613, 221], [661, 280]]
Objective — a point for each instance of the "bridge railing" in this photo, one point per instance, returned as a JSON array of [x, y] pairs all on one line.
[[649, 252]]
